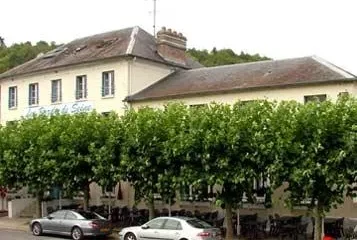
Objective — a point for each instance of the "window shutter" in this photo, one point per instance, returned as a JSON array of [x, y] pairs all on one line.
[[85, 86], [60, 90], [53, 93], [112, 83], [103, 84], [77, 88], [37, 93], [30, 94], [9, 97]]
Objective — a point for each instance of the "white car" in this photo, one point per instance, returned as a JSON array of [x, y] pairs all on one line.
[[173, 228]]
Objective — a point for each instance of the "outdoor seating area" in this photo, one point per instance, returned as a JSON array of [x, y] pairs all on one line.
[[251, 226], [124, 217]]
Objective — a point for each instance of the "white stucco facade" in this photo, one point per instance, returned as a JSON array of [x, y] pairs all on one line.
[[297, 93], [130, 75]]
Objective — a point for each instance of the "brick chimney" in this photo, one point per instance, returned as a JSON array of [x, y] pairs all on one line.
[[171, 46]]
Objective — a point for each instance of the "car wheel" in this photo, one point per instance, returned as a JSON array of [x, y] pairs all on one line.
[[77, 233], [36, 229], [130, 236]]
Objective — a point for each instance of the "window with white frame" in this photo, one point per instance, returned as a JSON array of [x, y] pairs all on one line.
[[81, 87], [56, 88], [108, 88], [259, 189], [315, 98], [202, 193], [108, 191], [33, 94], [13, 97]]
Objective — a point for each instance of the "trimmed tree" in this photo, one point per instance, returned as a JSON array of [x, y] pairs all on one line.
[[83, 140], [32, 155], [149, 162], [230, 146], [142, 153], [108, 156], [314, 164]]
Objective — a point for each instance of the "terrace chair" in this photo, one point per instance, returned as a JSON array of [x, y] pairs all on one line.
[[174, 213], [182, 212], [197, 214], [164, 212], [189, 214], [273, 227]]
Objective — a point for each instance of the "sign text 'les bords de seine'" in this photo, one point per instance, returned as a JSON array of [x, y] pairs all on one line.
[[66, 108]]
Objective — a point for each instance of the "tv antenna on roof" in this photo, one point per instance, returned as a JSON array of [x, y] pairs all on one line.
[[154, 15]]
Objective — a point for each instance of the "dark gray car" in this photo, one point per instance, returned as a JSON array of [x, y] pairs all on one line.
[[76, 224]]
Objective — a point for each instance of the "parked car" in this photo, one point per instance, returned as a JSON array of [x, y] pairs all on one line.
[[175, 228], [76, 224]]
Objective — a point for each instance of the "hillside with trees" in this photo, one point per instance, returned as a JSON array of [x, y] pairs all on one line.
[[223, 57], [20, 53]]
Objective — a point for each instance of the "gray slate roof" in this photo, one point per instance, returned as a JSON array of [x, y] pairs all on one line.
[[132, 41], [264, 74]]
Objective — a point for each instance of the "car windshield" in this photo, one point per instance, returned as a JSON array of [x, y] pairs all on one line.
[[198, 223], [90, 215]]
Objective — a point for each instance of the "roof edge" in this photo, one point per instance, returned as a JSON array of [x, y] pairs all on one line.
[[333, 67], [129, 98], [132, 41], [176, 96]]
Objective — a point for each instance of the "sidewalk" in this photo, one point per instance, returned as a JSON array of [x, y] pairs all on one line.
[[20, 224]]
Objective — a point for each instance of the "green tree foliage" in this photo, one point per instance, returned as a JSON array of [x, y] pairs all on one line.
[[20, 53], [311, 148], [230, 147], [223, 57], [107, 156], [315, 165], [30, 158], [85, 139], [143, 160]]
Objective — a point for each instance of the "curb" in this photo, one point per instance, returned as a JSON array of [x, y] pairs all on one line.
[[19, 229]]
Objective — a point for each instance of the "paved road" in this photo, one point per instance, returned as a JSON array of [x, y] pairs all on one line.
[[18, 235]]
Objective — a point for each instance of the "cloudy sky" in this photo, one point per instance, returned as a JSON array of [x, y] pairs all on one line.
[[275, 28]]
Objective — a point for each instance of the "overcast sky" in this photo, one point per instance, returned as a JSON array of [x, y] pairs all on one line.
[[274, 28]]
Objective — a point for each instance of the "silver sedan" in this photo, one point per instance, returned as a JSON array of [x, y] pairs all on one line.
[[173, 228], [76, 224]]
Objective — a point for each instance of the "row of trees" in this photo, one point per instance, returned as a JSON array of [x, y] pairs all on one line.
[[310, 147]]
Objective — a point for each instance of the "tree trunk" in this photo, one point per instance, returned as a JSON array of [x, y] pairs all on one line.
[[229, 223], [169, 207], [39, 198], [318, 222], [151, 207], [86, 197], [110, 205]]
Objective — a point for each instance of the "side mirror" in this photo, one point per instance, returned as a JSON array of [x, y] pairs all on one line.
[[145, 226]]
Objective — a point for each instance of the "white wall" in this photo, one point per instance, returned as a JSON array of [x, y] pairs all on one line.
[[68, 76], [54, 204], [3, 203], [16, 206], [143, 73], [279, 94]]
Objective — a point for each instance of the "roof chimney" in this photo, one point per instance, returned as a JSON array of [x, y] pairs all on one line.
[[171, 46]]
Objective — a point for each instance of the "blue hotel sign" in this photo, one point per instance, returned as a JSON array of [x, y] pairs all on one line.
[[66, 108]]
